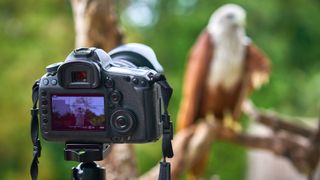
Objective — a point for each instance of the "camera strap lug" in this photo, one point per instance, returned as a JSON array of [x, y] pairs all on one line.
[[35, 132]]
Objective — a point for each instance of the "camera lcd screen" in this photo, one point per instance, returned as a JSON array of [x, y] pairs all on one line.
[[78, 112]]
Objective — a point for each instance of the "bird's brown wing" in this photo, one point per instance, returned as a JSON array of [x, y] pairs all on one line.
[[194, 80], [256, 73], [258, 66]]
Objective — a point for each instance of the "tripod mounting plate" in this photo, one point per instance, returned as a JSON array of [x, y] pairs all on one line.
[[83, 152]]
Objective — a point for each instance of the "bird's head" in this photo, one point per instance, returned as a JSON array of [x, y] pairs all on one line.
[[228, 18]]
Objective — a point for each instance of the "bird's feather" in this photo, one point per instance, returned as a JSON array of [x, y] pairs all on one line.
[[199, 99], [224, 67], [256, 73], [258, 65], [195, 77]]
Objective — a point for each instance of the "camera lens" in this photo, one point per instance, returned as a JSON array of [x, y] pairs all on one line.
[[122, 121]]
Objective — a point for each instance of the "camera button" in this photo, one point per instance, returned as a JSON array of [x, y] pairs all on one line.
[[135, 80], [143, 83], [45, 81], [45, 120], [115, 96], [44, 102], [54, 82], [109, 82], [150, 75], [122, 121], [44, 111], [43, 93]]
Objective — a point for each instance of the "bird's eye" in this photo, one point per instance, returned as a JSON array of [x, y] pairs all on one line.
[[230, 16]]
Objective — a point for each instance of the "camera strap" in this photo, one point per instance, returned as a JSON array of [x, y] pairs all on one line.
[[167, 152], [35, 131]]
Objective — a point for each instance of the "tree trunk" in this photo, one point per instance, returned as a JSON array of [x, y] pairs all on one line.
[[96, 26]]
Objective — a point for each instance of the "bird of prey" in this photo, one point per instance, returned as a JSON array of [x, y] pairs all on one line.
[[224, 67]]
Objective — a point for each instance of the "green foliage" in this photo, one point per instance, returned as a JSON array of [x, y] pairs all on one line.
[[37, 33]]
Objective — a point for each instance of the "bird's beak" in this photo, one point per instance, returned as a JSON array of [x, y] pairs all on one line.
[[239, 22]]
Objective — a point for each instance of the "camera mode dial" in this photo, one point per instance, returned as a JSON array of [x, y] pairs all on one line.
[[83, 52]]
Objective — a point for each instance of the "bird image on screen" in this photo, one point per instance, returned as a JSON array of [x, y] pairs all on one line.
[[224, 67], [78, 112], [79, 109]]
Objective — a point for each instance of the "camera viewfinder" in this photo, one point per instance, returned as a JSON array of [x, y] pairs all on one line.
[[79, 76]]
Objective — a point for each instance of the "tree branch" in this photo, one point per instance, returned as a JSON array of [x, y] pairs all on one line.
[[283, 145], [275, 122], [191, 143]]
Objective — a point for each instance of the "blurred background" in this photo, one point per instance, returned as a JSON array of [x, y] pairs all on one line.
[[35, 33]]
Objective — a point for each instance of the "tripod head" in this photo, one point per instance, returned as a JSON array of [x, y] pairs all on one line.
[[86, 154]]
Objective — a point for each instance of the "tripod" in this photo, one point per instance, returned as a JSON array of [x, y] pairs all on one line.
[[86, 154]]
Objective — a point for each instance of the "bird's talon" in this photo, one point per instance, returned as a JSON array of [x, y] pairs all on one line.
[[230, 123]]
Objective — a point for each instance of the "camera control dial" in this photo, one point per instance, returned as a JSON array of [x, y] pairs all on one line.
[[122, 121], [83, 52]]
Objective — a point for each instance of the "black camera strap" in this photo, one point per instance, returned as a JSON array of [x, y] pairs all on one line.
[[167, 151], [35, 131]]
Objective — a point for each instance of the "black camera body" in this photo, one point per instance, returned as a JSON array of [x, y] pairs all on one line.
[[102, 98]]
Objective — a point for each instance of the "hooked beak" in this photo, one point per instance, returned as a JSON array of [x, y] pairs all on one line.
[[239, 21]]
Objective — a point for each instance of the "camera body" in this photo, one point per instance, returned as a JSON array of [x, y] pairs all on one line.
[[102, 98]]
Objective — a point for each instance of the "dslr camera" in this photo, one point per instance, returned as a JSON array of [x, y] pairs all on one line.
[[100, 97]]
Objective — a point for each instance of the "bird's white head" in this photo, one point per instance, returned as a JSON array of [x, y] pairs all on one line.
[[227, 19]]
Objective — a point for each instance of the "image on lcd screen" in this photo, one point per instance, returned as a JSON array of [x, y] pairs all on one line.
[[78, 112]]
